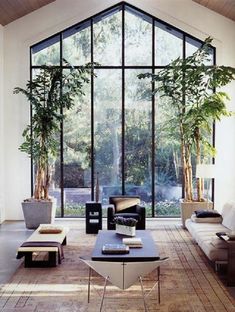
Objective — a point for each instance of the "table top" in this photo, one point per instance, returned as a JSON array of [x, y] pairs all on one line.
[[149, 251]]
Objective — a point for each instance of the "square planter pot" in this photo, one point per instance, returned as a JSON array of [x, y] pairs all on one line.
[[125, 230], [188, 208], [38, 212]]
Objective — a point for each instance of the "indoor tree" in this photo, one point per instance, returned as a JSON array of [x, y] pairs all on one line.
[[50, 92], [190, 85]]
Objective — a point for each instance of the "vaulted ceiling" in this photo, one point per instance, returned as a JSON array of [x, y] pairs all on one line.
[[223, 7], [11, 10]]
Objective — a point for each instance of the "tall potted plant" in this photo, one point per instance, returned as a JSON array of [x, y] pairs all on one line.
[[190, 86], [49, 93]]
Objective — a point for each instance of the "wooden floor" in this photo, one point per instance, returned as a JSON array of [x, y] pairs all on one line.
[[185, 255], [14, 233]]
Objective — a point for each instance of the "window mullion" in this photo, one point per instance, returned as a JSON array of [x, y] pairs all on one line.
[[123, 99], [92, 116]]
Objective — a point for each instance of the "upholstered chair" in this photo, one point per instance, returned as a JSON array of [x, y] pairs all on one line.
[[126, 206]]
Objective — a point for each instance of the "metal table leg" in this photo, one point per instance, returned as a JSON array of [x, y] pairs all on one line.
[[142, 290], [102, 300]]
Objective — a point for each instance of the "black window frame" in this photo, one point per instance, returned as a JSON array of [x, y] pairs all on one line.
[[121, 6]]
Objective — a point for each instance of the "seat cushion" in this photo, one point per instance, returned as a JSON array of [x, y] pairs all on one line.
[[204, 235], [124, 203], [214, 253], [219, 243]]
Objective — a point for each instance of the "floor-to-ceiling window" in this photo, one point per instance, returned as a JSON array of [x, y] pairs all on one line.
[[118, 129]]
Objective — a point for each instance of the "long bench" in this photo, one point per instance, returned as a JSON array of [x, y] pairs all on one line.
[[50, 243]]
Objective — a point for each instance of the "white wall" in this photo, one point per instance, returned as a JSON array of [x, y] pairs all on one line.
[[19, 35], [1, 129]]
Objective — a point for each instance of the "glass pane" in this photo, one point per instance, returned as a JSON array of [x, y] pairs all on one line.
[[47, 52], [168, 173], [193, 45], [107, 131], [107, 38], [55, 188], [168, 44], [138, 39], [77, 44], [138, 133], [77, 155]]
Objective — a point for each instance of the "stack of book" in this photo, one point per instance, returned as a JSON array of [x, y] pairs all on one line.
[[134, 242], [110, 249]]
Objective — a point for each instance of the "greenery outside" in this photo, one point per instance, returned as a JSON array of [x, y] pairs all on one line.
[[108, 115]]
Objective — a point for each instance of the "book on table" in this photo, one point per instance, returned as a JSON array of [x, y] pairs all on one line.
[[133, 242], [223, 235], [227, 236], [115, 249]]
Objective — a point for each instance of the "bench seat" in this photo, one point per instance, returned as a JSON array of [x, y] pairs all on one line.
[[55, 253]]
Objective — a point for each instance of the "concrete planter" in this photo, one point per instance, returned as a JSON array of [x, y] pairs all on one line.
[[38, 212], [188, 208], [125, 230]]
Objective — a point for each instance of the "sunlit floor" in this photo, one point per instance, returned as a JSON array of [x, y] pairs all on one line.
[[14, 233]]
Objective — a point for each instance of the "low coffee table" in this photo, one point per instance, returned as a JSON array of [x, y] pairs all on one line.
[[122, 270], [149, 251]]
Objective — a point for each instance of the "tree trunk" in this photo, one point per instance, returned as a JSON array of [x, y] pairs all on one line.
[[176, 163], [186, 166], [47, 182], [38, 189], [188, 174], [198, 161], [116, 155], [189, 171]]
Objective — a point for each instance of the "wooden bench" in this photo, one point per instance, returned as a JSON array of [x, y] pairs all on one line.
[[52, 244]]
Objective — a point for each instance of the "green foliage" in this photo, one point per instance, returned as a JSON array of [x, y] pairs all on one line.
[[167, 208], [125, 221], [189, 85], [49, 93], [162, 208], [72, 209]]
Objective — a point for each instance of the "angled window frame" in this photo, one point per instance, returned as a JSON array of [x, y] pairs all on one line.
[[89, 22]]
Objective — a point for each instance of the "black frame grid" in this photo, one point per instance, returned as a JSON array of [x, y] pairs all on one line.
[[121, 6]]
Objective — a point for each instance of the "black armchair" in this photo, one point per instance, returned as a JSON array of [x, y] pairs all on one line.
[[126, 206]]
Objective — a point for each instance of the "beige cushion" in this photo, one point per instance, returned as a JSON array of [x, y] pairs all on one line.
[[123, 203], [228, 214], [214, 254], [52, 237], [206, 220], [50, 230], [219, 243]]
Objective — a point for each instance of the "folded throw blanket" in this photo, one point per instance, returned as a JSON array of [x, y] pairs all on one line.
[[43, 244]]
